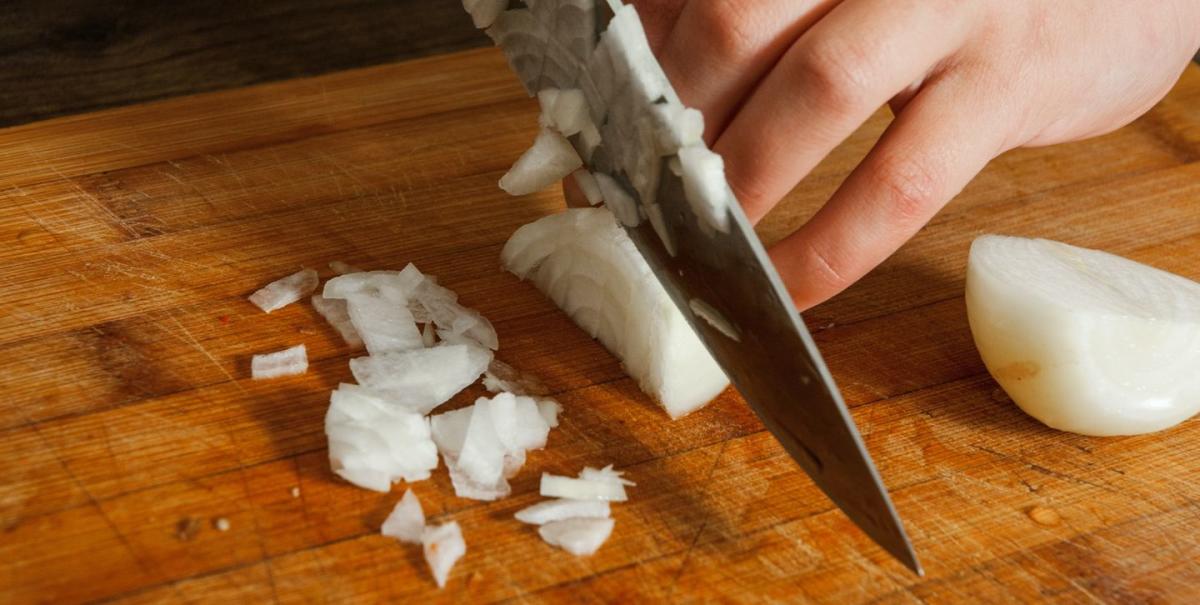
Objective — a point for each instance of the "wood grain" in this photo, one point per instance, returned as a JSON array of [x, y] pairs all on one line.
[[128, 424]]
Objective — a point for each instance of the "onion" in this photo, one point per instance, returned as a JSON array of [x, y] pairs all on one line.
[[714, 318], [384, 325], [589, 186], [406, 522], [588, 266], [605, 474], [285, 291], [564, 110], [373, 443], [617, 200], [549, 409], [580, 537], [485, 444], [1083, 340], [443, 546], [556, 486], [422, 379], [549, 160], [335, 312], [705, 187], [288, 362], [558, 510]]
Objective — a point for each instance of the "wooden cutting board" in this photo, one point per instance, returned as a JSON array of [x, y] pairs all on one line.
[[129, 426]]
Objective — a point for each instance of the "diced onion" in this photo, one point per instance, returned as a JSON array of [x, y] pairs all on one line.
[[335, 312], [422, 379], [406, 522], [288, 362], [548, 161], [556, 486], [443, 546], [285, 291], [557, 510], [705, 187], [580, 537], [588, 185], [373, 443]]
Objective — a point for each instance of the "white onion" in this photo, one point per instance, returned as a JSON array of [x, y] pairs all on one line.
[[564, 110], [285, 291], [713, 317], [481, 457], [454, 321], [1082, 340], [443, 546], [557, 510], [466, 487], [588, 266], [605, 474], [589, 186], [549, 409], [548, 161], [288, 362], [373, 443], [335, 312], [580, 537], [557, 486], [406, 522], [704, 186], [422, 379], [384, 325]]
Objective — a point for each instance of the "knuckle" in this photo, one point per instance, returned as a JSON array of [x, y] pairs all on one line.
[[728, 29], [912, 188], [835, 74]]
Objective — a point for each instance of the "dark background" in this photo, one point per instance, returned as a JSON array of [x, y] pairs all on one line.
[[60, 57]]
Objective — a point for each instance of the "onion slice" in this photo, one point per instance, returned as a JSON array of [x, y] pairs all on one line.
[[1083, 340], [285, 291], [558, 510], [422, 379], [373, 443], [288, 362], [406, 522], [580, 537], [556, 486], [443, 546]]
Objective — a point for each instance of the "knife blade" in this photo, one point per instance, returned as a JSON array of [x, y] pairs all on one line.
[[721, 280]]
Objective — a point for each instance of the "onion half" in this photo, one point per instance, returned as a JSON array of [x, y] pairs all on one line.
[[1083, 340]]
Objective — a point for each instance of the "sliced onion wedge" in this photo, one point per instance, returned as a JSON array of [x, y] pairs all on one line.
[[587, 265], [443, 546], [288, 362], [1083, 340], [557, 510], [285, 291], [580, 537], [335, 312], [406, 522]]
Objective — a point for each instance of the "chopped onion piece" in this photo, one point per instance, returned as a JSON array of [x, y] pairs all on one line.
[[549, 160], [406, 522], [384, 325], [450, 430], [558, 510], [288, 362], [427, 335], [617, 200], [556, 486], [580, 537], [549, 409], [373, 443], [605, 474], [705, 187], [335, 312], [443, 546], [396, 286], [484, 12], [482, 455], [587, 265], [285, 291], [588, 185], [454, 321], [565, 111], [422, 379], [465, 487]]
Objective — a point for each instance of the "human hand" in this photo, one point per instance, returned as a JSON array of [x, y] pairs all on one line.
[[782, 82]]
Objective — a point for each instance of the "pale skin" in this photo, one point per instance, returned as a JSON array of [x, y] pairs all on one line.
[[782, 82]]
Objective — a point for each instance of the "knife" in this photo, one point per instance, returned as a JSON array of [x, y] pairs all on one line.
[[720, 279]]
